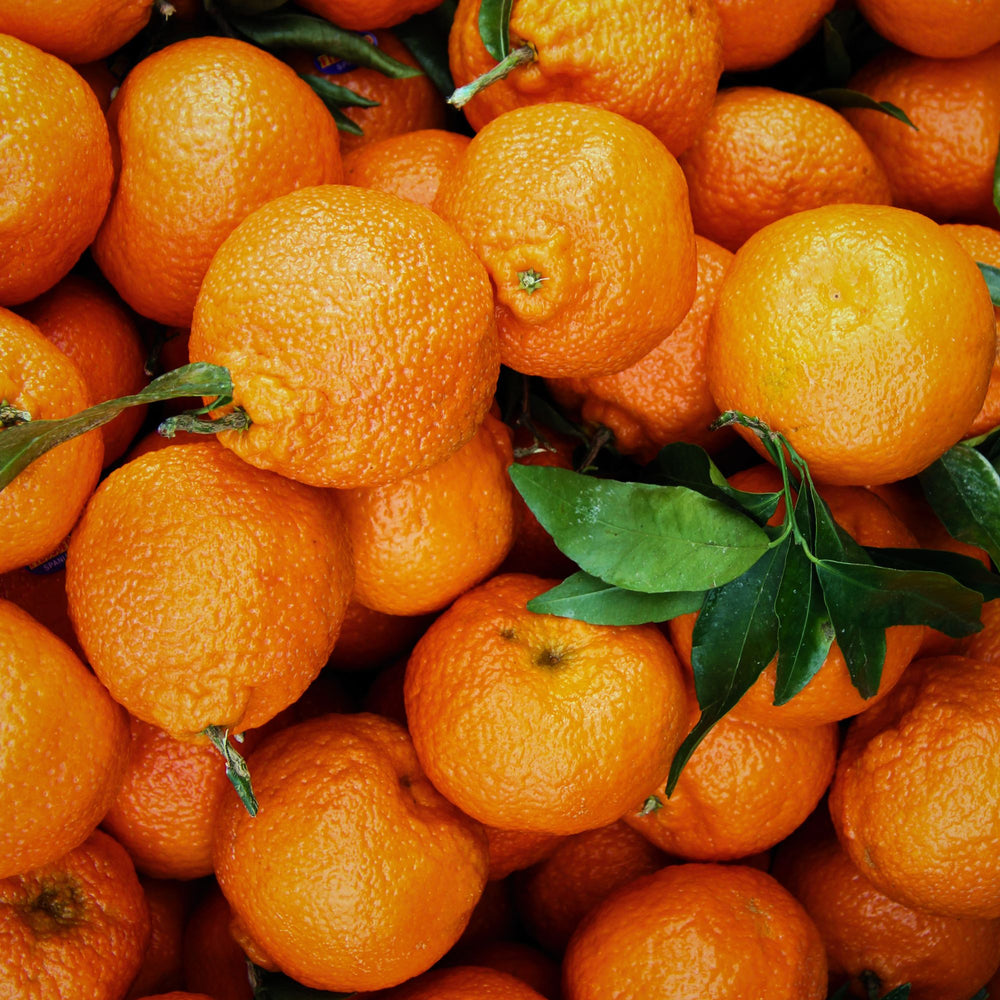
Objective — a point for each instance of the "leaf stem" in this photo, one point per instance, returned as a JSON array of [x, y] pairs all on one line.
[[236, 767], [237, 420], [516, 57]]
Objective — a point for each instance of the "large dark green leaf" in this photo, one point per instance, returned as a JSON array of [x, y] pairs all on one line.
[[967, 571], [426, 36], [964, 490], [640, 536], [590, 599]]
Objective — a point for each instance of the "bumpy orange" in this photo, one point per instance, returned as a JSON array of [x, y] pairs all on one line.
[[240, 128], [533, 722], [205, 591], [943, 29], [462, 982], [759, 33], [356, 873], [657, 63], [572, 207], [863, 333], [374, 350], [56, 164]]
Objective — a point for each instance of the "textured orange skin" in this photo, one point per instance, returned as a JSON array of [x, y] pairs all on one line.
[[523, 961], [656, 62], [56, 168], [78, 31], [983, 243], [73, 927], [359, 332], [404, 105], [38, 509], [362, 15], [863, 333], [745, 788], [420, 542], [985, 645], [830, 695], [512, 850], [916, 796], [597, 206], [43, 596], [461, 982], [168, 902], [943, 29], [532, 722], [240, 129], [410, 166], [942, 958], [356, 873], [164, 812], [664, 396], [759, 33], [212, 960], [711, 932], [554, 895], [65, 746], [764, 154], [220, 597], [944, 170], [91, 326]]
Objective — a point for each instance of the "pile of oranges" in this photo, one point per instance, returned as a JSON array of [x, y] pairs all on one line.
[[644, 223]]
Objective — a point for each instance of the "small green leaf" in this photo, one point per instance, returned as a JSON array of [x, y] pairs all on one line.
[[735, 637], [590, 599], [835, 55], [967, 571], [842, 97], [899, 993], [494, 27], [640, 536], [992, 277], [683, 464], [236, 767], [964, 490], [336, 96], [344, 122], [22, 444], [426, 36]]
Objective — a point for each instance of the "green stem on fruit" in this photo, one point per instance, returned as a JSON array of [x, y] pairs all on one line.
[[10, 416], [520, 56], [193, 423]]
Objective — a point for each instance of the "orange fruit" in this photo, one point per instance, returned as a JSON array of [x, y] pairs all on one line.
[[461, 982], [944, 29], [554, 895], [56, 165], [356, 873], [375, 352], [517, 959], [239, 130], [410, 165], [745, 788], [168, 903], [764, 154], [944, 168], [657, 62], [78, 31], [421, 541], [710, 931], [985, 645], [512, 850], [664, 396], [178, 995], [370, 639], [405, 104], [76, 926], [571, 207], [492, 918], [983, 244], [90, 325], [863, 930], [812, 296], [830, 695], [164, 812], [100, 79], [759, 33], [531, 722], [221, 597], [916, 796], [212, 961], [361, 15], [38, 509], [65, 746]]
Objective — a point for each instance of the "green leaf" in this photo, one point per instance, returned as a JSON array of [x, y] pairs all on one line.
[[967, 571], [590, 599], [996, 182], [835, 54], [302, 31], [276, 986], [344, 122], [426, 36], [336, 96], [640, 536], [683, 464], [735, 637], [494, 27], [22, 444], [992, 277], [842, 97], [236, 767], [884, 597], [899, 993], [805, 632], [964, 490]]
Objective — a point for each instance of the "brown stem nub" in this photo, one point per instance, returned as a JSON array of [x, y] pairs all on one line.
[[10, 416], [237, 420], [516, 57]]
